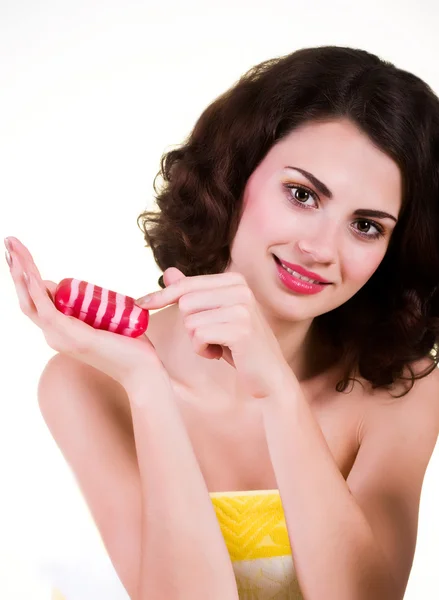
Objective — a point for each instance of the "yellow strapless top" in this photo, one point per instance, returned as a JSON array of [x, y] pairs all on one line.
[[254, 529]]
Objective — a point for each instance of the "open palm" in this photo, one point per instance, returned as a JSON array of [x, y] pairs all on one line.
[[118, 356]]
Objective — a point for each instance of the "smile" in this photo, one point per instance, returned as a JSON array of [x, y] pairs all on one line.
[[296, 282]]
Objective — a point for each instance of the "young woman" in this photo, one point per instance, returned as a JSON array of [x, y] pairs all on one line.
[[297, 232]]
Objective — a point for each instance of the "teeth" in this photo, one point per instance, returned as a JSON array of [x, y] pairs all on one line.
[[296, 274]]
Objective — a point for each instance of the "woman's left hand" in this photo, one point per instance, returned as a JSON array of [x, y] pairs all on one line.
[[223, 320]]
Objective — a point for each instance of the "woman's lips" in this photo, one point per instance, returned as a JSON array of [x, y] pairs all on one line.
[[302, 271], [295, 284]]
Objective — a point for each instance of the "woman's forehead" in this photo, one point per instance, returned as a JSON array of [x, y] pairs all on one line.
[[340, 156]]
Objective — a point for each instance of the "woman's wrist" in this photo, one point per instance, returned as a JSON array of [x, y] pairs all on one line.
[[148, 380]]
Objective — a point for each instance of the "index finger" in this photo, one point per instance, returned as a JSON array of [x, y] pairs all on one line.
[[173, 292]]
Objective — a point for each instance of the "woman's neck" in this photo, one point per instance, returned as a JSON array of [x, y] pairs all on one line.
[[302, 346]]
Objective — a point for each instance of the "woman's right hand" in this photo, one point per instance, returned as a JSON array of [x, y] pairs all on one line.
[[121, 357]]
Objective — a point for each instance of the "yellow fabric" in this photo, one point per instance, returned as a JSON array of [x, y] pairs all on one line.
[[255, 532], [254, 529], [252, 523]]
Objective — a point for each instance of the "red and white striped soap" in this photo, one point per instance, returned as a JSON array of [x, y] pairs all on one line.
[[101, 308]]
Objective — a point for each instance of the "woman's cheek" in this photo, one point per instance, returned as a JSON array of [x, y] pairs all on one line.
[[362, 265]]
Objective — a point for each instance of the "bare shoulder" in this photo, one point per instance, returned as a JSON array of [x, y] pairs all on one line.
[[65, 373], [412, 419], [419, 405], [62, 365]]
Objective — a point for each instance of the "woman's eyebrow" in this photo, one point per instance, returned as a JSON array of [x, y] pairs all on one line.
[[370, 212], [323, 189], [316, 182]]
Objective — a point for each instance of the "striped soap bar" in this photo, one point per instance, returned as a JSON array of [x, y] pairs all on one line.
[[101, 308]]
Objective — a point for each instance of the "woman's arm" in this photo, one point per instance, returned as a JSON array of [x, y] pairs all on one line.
[[183, 553], [354, 539], [89, 419], [169, 546]]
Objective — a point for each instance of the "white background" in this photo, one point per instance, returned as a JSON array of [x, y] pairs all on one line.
[[92, 92]]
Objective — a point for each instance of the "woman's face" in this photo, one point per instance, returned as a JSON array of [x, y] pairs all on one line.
[[286, 214]]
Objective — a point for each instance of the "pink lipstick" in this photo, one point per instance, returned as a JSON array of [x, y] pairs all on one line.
[[294, 282]]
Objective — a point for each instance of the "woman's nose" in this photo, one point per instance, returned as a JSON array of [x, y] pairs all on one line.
[[321, 245]]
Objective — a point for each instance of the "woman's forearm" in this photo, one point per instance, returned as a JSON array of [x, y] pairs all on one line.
[[335, 553], [183, 553]]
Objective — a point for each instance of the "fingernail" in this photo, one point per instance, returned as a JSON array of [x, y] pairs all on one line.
[[8, 258], [7, 244], [145, 299], [25, 277]]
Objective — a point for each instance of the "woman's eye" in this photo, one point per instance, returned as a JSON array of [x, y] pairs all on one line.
[[300, 194], [379, 230]]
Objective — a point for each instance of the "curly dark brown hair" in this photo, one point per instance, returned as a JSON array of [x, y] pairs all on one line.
[[392, 321]]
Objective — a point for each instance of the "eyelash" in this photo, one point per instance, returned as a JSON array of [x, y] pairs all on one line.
[[380, 229]]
